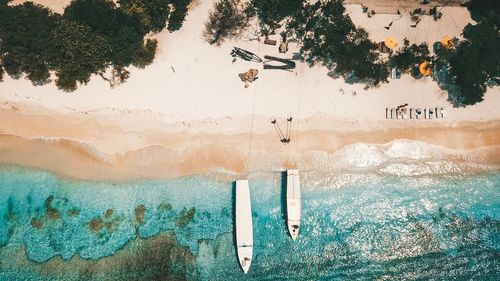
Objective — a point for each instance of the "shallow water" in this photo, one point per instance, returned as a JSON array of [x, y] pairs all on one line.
[[374, 224]]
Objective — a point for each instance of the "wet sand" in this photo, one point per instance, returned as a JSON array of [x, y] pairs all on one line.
[[92, 147]]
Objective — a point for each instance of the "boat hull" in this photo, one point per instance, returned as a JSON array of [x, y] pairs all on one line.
[[243, 223], [293, 202]]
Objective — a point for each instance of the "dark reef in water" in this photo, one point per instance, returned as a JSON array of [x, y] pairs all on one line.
[[139, 213], [52, 213], [390, 229], [96, 224], [185, 217], [157, 258]]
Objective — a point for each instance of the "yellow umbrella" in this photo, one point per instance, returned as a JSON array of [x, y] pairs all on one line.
[[391, 42], [425, 68], [447, 41]]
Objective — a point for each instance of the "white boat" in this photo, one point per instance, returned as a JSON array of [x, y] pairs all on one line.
[[293, 207], [244, 227]]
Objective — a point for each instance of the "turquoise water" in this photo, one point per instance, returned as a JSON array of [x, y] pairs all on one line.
[[372, 226]]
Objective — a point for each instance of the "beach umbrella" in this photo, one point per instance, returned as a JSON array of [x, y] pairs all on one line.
[[425, 68], [391, 42], [447, 41]]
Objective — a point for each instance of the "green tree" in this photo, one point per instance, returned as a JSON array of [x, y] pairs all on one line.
[[272, 12], [153, 13], [12, 64], [99, 15], [476, 62], [158, 12], [123, 31], [178, 15], [24, 47], [226, 21], [124, 27], [80, 53], [409, 57], [144, 55], [485, 10], [330, 38], [91, 37]]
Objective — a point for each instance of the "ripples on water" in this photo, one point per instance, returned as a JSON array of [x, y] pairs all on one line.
[[382, 224]]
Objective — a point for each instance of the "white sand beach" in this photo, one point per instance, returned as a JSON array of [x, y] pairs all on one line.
[[189, 113]]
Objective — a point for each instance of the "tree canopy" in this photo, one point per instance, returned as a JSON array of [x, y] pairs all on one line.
[[80, 53], [467, 70], [89, 38], [329, 37], [272, 12], [227, 20], [25, 48], [178, 15], [409, 57], [152, 14], [476, 62], [485, 10]]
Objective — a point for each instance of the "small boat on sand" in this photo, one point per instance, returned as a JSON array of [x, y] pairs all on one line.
[[243, 223], [293, 205]]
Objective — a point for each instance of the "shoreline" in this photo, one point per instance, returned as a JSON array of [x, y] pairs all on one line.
[[96, 147]]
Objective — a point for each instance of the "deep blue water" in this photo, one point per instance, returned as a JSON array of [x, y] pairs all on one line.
[[376, 227]]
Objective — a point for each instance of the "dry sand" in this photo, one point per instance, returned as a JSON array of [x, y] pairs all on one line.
[[55, 5]]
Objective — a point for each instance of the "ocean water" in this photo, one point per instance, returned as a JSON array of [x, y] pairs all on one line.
[[366, 224]]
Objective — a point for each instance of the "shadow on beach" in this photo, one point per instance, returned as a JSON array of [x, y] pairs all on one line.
[[233, 214], [283, 199]]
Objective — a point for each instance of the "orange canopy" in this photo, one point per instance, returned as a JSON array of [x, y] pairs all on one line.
[[425, 68], [391, 42], [447, 41]]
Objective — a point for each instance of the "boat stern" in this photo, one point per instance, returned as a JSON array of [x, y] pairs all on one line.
[[245, 257], [293, 229]]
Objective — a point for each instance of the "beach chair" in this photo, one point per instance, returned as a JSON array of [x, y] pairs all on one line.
[[394, 113], [404, 113], [430, 113], [284, 64], [437, 115], [442, 112], [412, 113], [418, 113], [268, 41]]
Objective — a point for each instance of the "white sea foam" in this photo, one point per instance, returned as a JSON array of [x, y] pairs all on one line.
[[397, 157], [353, 164], [365, 164]]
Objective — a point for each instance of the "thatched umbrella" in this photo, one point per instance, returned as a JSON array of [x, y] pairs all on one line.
[[447, 41], [425, 68], [391, 42]]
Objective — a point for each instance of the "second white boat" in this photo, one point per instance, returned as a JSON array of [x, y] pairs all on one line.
[[293, 204]]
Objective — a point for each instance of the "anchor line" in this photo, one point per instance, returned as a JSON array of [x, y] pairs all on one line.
[[278, 130], [288, 128]]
